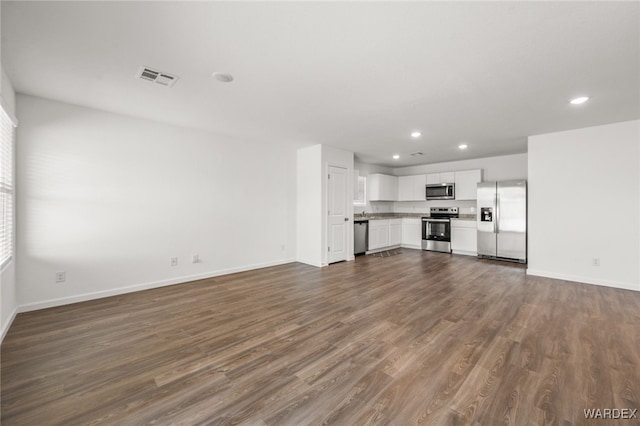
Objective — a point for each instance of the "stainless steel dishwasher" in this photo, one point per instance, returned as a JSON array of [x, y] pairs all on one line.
[[360, 236]]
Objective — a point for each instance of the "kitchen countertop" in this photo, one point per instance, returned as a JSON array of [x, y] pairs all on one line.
[[385, 216]]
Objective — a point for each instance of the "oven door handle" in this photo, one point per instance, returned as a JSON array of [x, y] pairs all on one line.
[[435, 220]]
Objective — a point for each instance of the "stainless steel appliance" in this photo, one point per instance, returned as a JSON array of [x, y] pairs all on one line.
[[436, 229], [502, 220], [360, 236], [441, 191]]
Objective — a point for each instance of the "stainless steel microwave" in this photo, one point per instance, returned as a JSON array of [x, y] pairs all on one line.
[[441, 191]]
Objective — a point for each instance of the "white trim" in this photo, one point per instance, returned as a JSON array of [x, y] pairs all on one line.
[[311, 263], [465, 252], [6, 327], [412, 247], [144, 286], [583, 280], [378, 250]]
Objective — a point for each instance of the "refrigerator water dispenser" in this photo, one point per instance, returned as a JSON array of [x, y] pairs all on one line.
[[486, 214]]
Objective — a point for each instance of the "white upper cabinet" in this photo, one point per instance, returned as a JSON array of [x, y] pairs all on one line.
[[467, 183], [405, 188], [383, 187], [411, 188], [447, 177], [419, 182], [443, 177]]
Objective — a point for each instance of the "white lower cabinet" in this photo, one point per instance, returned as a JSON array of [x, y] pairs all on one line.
[[464, 237], [395, 232], [384, 234], [411, 232], [378, 234], [405, 232]]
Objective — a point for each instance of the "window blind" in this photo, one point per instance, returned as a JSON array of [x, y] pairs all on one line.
[[7, 134]]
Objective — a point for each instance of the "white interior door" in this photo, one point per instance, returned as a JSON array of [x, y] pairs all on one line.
[[338, 222]]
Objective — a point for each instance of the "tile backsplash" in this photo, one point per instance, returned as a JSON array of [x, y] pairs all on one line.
[[466, 207], [375, 207]]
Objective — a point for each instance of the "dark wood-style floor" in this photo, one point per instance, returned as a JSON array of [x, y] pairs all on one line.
[[416, 338]]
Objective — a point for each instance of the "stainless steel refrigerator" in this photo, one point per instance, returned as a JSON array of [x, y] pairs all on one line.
[[502, 220]]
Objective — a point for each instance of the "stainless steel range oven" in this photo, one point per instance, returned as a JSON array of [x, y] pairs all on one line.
[[436, 229]]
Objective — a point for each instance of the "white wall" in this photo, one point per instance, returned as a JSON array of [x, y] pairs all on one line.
[[312, 169], [8, 94], [109, 199], [584, 203], [309, 209], [8, 301], [495, 168]]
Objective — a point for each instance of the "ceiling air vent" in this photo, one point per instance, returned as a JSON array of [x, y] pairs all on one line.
[[416, 154], [158, 77]]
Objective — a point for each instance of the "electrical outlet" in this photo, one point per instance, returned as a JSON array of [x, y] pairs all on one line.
[[174, 261], [595, 261], [282, 247], [195, 258], [61, 276]]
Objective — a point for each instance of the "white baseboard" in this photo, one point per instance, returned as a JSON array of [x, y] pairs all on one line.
[[583, 280], [144, 286], [411, 246], [310, 262], [5, 328], [378, 250], [466, 253]]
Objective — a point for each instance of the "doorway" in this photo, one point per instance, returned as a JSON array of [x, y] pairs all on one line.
[[338, 212]]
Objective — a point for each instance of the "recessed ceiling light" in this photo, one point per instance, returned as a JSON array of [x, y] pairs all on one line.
[[463, 146], [396, 156], [416, 134], [580, 100], [222, 77]]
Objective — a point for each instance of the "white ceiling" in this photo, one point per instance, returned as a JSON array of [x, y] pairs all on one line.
[[359, 76]]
